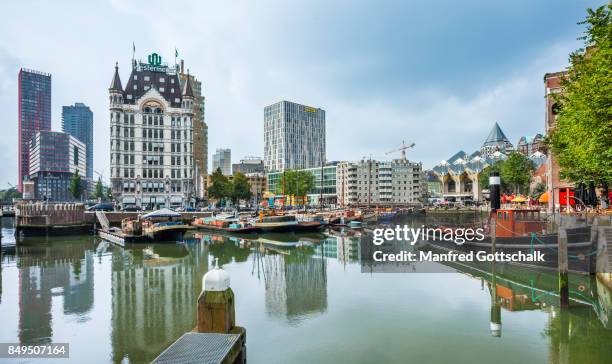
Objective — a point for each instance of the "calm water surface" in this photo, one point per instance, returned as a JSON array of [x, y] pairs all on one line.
[[305, 301]]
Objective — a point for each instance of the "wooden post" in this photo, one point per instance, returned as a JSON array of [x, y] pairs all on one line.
[[594, 248], [563, 268], [216, 311]]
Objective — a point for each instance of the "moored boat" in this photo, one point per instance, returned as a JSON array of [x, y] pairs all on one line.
[[518, 230], [163, 225], [276, 223]]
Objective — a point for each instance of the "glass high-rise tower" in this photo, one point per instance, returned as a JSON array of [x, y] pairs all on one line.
[[77, 121], [294, 136], [34, 99]]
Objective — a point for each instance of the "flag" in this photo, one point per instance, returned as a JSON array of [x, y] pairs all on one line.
[[175, 52], [133, 47]]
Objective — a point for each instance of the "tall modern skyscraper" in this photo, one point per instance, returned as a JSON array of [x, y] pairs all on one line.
[[294, 136], [151, 147], [34, 100], [77, 121], [223, 159]]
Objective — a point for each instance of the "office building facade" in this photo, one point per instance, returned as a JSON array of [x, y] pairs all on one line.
[[54, 158], [34, 114], [294, 136], [77, 120], [249, 165], [324, 185], [222, 159], [151, 148]]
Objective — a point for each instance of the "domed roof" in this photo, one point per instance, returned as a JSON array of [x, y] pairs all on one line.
[[216, 280]]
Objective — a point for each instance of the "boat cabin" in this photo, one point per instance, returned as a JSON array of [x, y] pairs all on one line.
[[518, 222]]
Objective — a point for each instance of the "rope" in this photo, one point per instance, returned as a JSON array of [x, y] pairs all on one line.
[[578, 257]]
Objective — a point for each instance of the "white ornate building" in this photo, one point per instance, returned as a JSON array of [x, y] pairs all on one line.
[[151, 147]]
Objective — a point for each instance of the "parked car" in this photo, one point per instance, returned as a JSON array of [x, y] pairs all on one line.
[[131, 208], [102, 207]]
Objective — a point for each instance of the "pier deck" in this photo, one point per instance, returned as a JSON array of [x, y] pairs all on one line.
[[205, 348], [116, 236]]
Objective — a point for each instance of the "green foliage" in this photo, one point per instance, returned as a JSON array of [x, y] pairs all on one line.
[[539, 189], [99, 193], [295, 183], [109, 193], [240, 188], [76, 185], [582, 139], [10, 194], [220, 187], [483, 178], [516, 171]]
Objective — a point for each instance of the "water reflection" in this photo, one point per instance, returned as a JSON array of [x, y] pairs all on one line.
[[47, 270], [295, 282], [153, 293], [282, 282]]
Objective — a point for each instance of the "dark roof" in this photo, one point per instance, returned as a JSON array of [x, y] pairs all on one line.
[[460, 154], [188, 91], [116, 84], [167, 84], [496, 137]]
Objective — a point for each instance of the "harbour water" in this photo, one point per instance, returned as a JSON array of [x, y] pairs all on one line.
[[302, 299]]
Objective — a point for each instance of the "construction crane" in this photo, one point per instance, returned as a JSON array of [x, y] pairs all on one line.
[[100, 175], [402, 149]]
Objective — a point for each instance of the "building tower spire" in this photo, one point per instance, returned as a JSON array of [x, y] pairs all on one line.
[[188, 91], [116, 84]]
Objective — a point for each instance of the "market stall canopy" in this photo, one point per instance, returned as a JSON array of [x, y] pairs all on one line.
[[519, 199], [268, 194], [544, 198], [161, 213]]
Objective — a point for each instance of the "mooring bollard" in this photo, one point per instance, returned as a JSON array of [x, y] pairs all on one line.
[[563, 268], [216, 312]]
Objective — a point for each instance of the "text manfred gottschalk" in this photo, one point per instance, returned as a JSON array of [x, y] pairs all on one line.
[[402, 248]]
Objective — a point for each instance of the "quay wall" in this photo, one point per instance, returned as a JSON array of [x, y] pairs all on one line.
[[40, 214], [115, 217]]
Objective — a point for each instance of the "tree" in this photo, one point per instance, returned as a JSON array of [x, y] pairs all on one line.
[[582, 139], [295, 183], [539, 189], [9, 194], [220, 187], [516, 171], [240, 188], [76, 185], [99, 190], [109, 193], [483, 178]]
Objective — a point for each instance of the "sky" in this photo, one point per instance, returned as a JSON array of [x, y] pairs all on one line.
[[436, 73]]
